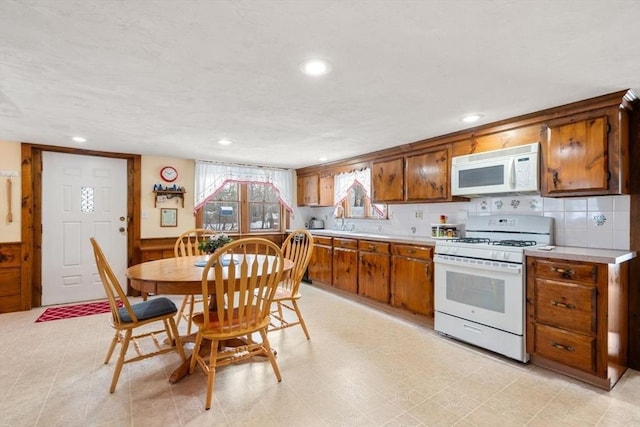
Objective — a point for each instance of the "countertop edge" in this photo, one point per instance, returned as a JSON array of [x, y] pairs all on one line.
[[571, 253], [412, 240]]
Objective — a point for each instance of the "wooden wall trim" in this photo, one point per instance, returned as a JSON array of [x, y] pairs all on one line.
[[31, 214], [634, 264], [620, 98]]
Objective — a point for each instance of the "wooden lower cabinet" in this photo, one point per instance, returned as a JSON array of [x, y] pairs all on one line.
[[397, 274], [577, 318], [373, 270], [412, 278], [320, 266], [11, 297], [345, 264]]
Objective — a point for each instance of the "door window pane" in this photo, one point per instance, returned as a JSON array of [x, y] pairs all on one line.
[[87, 200]]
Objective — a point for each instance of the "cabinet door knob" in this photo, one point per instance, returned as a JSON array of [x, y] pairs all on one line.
[[556, 179], [564, 272], [561, 346], [563, 305]]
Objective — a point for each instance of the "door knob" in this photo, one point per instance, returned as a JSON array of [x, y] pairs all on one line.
[[122, 229]]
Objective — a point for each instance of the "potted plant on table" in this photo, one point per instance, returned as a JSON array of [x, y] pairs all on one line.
[[214, 242]]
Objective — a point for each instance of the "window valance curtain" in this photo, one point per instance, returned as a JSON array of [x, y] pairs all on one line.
[[343, 182], [211, 177]]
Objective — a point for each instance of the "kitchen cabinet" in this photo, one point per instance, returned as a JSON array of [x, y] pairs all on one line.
[[576, 156], [387, 181], [326, 191], [308, 187], [587, 153], [420, 177], [576, 318], [373, 270], [493, 139], [315, 190], [428, 176], [320, 266], [412, 278], [11, 277], [345, 264]]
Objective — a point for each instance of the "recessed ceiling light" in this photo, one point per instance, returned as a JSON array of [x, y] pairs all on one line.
[[224, 142], [470, 118], [79, 139], [323, 159], [315, 67]]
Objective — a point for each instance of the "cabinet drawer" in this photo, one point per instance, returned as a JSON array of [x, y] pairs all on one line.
[[566, 305], [381, 247], [409, 251], [345, 243], [565, 347], [10, 254], [322, 240], [567, 270]]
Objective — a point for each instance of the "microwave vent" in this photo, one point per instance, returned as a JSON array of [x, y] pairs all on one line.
[[504, 152]]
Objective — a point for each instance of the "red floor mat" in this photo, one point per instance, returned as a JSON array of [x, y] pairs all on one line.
[[77, 310]]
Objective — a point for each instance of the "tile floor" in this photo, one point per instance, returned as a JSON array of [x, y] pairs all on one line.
[[361, 367]]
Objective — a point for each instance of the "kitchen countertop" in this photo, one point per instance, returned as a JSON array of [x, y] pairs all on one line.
[[603, 256], [570, 253], [396, 238]]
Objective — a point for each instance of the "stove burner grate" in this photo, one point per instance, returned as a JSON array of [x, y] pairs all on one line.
[[470, 240], [518, 243]]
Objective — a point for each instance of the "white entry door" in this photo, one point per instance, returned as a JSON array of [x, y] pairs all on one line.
[[82, 197]]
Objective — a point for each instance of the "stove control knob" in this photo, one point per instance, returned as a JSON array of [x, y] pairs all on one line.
[[494, 254], [506, 255], [454, 251]]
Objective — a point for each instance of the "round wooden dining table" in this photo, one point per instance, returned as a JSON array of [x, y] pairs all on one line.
[[177, 276]]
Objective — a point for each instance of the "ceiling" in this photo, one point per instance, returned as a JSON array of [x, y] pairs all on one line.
[[170, 78]]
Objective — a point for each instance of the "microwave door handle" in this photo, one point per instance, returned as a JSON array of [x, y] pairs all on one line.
[[512, 174]]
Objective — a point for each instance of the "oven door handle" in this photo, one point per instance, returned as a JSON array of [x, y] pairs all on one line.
[[495, 266]]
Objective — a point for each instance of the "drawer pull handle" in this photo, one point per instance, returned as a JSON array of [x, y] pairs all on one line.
[[563, 305], [411, 251], [372, 247], [564, 272], [561, 346]]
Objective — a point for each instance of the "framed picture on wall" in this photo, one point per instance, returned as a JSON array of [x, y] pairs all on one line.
[[168, 217]]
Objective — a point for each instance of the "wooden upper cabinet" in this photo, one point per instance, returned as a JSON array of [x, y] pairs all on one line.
[[387, 180], [428, 176], [576, 157], [326, 191], [308, 190], [503, 138]]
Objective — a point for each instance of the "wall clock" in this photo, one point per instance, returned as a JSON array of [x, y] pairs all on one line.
[[169, 173]]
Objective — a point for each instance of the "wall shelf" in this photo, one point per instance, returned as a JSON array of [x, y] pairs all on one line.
[[169, 194]]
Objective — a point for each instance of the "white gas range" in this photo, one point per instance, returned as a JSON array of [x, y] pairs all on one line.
[[480, 281]]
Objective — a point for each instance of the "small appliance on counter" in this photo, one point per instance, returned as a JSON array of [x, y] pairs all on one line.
[[314, 224]]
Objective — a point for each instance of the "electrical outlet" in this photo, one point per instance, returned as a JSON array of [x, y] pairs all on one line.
[[418, 214]]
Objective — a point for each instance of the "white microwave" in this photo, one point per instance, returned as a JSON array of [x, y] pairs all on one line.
[[511, 170]]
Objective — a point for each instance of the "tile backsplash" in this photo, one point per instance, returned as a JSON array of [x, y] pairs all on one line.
[[597, 222]]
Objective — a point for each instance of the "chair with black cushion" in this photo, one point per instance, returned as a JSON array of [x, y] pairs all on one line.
[[187, 244], [239, 289], [298, 248], [129, 317]]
